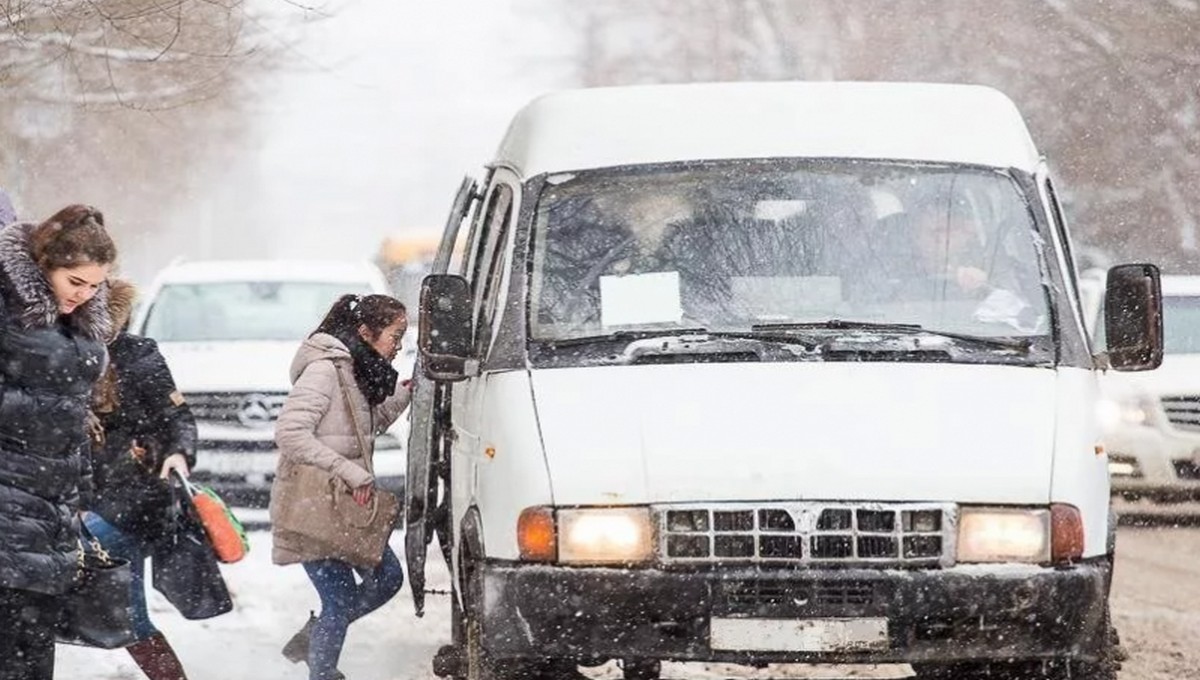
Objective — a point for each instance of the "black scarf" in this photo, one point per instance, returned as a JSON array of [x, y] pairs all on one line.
[[375, 376]]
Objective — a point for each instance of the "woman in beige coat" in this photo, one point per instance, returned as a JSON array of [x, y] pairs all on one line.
[[354, 346]]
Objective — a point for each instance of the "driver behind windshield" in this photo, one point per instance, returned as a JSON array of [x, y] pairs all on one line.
[[955, 258]]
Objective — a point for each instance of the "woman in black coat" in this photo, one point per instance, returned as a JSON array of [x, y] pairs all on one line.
[[53, 321], [146, 431]]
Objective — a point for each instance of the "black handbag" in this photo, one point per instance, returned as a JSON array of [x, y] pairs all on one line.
[[184, 568], [97, 611]]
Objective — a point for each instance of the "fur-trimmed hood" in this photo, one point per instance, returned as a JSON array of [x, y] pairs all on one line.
[[121, 296], [27, 296]]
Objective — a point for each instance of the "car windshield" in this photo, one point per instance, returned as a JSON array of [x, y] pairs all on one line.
[[742, 245], [1181, 324], [246, 310]]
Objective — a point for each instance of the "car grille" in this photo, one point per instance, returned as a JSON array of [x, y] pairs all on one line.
[[252, 409], [901, 534], [1186, 469], [1183, 411], [1128, 466]]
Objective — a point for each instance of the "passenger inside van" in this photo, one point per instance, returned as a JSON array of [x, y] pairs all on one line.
[[944, 250], [778, 246]]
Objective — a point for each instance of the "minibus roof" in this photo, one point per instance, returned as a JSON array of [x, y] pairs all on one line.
[[922, 122]]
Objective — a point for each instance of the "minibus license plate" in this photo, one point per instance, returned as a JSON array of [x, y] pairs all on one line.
[[798, 635]]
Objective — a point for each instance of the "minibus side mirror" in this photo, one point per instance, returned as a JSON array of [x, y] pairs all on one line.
[[1133, 317], [444, 330]]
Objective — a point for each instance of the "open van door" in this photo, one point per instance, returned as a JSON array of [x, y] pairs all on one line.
[[425, 436]]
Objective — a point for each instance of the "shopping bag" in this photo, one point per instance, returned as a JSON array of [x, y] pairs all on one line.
[[224, 531], [184, 568]]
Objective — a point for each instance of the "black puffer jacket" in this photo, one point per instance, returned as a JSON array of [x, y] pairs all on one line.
[[48, 365], [129, 493]]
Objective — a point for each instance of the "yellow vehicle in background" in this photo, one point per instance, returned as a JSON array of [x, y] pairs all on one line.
[[405, 260]]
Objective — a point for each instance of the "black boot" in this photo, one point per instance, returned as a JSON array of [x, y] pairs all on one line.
[[296, 649]]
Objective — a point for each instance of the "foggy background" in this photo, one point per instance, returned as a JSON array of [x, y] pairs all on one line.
[[280, 128]]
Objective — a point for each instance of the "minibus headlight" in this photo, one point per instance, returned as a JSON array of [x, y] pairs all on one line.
[[605, 536], [1004, 535]]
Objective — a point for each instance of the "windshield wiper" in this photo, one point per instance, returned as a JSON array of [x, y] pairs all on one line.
[[1021, 344], [835, 324], [624, 336], [697, 334]]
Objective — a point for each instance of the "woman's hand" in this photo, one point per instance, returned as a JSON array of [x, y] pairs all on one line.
[[363, 494], [176, 462]]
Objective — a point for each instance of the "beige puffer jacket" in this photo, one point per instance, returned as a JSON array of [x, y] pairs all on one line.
[[315, 427]]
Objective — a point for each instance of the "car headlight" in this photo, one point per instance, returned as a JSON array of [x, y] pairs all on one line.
[[1114, 413], [1004, 535], [599, 536]]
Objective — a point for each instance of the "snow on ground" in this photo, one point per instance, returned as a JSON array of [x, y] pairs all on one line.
[[270, 604], [1156, 606]]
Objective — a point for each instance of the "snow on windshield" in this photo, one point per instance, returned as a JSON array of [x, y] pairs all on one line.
[[729, 245]]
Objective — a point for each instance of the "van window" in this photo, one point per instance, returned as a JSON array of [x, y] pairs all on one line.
[[731, 245], [490, 265]]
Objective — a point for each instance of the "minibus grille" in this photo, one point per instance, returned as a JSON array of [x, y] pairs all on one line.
[[808, 533]]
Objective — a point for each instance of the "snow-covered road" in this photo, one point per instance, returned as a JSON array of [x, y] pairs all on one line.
[[270, 604], [1156, 605]]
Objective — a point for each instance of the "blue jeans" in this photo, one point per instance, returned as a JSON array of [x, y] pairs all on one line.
[[344, 600], [134, 549]]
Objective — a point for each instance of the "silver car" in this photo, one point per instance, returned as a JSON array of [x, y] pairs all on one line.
[[1151, 420]]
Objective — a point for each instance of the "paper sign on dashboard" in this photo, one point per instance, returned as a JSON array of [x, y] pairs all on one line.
[[640, 299]]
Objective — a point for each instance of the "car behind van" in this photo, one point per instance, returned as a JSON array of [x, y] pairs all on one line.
[[1151, 420], [229, 330], [757, 373]]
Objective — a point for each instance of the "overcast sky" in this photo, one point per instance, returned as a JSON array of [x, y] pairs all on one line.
[[382, 110]]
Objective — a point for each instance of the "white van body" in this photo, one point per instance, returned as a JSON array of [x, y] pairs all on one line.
[[794, 509]]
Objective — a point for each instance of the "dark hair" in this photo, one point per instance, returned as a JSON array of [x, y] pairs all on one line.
[[376, 312], [75, 235]]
